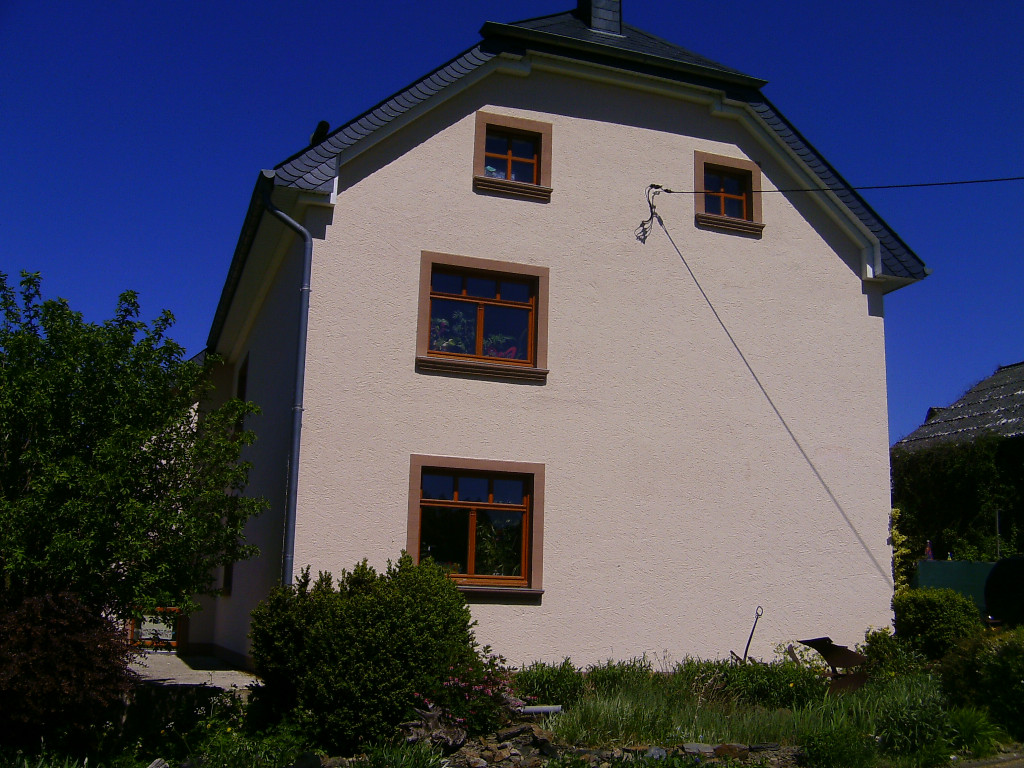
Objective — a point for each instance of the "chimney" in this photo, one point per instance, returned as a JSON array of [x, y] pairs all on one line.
[[601, 15]]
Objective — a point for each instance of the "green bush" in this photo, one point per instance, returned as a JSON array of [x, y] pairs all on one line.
[[888, 656], [972, 733], [64, 673], [613, 677], [351, 662], [932, 621], [543, 683], [775, 685], [988, 671], [841, 746], [910, 720]]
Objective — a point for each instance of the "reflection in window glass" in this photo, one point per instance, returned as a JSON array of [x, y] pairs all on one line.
[[453, 326], [508, 490], [438, 486], [506, 332], [444, 282], [472, 488], [444, 537], [499, 543], [515, 291], [481, 287]]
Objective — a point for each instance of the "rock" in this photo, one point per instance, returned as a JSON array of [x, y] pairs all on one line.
[[476, 762], [307, 760], [159, 763], [702, 750], [768, 745], [335, 762], [657, 753], [511, 733], [733, 751]]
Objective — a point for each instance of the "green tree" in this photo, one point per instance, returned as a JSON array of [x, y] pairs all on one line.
[[111, 485]]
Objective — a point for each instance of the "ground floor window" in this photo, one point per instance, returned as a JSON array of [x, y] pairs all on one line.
[[480, 519]]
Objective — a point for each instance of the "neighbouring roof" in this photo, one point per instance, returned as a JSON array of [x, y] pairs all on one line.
[[993, 405]]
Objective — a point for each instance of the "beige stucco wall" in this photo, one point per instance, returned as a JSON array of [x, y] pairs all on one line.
[[676, 500], [268, 337]]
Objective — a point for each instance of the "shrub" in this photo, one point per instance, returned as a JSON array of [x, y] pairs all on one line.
[[616, 676], [549, 683], [972, 733], [63, 673], [910, 720], [932, 621], [988, 671], [888, 656], [775, 685], [348, 661], [839, 746]]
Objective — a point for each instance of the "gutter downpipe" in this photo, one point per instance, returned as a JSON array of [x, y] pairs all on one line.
[[288, 549]]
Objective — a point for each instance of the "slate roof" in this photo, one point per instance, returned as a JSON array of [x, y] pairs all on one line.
[[993, 405], [566, 34]]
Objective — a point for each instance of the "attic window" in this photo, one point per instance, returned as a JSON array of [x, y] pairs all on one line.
[[512, 156], [728, 193]]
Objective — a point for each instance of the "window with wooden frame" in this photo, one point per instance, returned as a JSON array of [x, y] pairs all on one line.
[[728, 193], [512, 156], [482, 520], [482, 317]]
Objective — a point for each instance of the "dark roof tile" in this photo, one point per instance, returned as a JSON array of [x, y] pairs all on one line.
[[993, 405]]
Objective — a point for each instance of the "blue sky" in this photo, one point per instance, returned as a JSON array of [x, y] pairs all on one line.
[[131, 135]]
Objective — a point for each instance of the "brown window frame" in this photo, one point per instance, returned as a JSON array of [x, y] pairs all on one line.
[[750, 175], [504, 125], [530, 580], [533, 369]]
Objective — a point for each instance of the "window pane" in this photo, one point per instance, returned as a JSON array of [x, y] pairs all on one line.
[[732, 184], [499, 544], [515, 291], [438, 486], [444, 536], [497, 145], [523, 172], [508, 490], [734, 208], [472, 488], [483, 287], [443, 282], [506, 332], [713, 204], [712, 182], [523, 148], [453, 326]]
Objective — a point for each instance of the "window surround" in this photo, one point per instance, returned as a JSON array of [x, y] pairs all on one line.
[[535, 526], [754, 224], [426, 362], [540, 132]]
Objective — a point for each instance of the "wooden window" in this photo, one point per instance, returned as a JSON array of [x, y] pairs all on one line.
[[512, 156], [481, 520], [482, 317], [728, 193]]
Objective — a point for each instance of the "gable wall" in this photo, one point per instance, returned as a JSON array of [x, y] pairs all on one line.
[[675, 499]]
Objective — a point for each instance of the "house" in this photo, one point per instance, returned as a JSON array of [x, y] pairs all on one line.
[[461, 349], [995, 405]]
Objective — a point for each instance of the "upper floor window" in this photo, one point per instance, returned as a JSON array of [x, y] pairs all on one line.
[[728, 193], [512, 156], [481, 317]]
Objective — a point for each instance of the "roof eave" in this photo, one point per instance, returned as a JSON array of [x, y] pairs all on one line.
[[492, 30]]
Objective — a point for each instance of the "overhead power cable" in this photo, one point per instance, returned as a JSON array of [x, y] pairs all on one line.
[[641, 234]]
